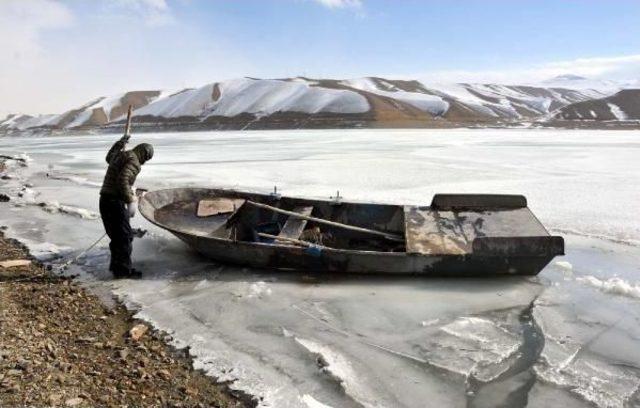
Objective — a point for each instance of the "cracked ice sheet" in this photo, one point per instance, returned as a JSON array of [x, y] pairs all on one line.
[[592, 338], [234, 318], [338, 322], [472, 346]]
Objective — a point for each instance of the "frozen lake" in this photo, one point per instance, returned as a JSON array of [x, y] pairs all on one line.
[[568, 337]]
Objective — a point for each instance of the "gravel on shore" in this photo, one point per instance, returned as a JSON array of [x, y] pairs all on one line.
[[62, 346]]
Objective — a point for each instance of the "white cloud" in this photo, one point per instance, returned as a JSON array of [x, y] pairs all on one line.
[[21, 23], [55, 57], [22, 26], [153, 12], [340, 3], [624, 67], [621, 68]]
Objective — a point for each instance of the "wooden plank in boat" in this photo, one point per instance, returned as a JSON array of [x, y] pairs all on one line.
[[215, 206], [293, 227], [432, 232]]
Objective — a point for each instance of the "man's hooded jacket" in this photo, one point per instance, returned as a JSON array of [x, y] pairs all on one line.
[[124, 167]]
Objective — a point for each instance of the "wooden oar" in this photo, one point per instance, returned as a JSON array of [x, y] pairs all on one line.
[[287, 239], [127, 127], [387, 235]]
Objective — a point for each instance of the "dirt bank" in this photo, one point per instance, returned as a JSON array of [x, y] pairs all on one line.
[[61, 346]]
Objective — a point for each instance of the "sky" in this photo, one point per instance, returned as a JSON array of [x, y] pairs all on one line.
[[59, 54]]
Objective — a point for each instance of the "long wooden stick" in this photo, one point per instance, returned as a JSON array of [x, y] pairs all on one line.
[[387, 235], [127, 128], [287, 239]]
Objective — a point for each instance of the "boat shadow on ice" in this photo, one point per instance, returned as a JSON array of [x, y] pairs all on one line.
[[163, 258]]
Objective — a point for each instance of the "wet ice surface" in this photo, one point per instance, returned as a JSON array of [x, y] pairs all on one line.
[[569, 337]]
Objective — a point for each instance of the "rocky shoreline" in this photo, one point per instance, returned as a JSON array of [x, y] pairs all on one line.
[[62, 346]]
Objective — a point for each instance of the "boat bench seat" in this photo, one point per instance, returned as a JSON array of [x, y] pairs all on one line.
[[293, 227]]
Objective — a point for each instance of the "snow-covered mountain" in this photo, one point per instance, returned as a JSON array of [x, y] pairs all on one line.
[[303, 102], [96, 113], [622, 106], [257, 97]]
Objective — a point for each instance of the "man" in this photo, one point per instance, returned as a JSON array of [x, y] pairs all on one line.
[[118, 202]]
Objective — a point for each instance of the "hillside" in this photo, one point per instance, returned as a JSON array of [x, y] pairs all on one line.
[[328, 103], [622, 106], [96, 113]]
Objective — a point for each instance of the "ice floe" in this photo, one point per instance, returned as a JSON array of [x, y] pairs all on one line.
[[600, 382], [313, 403], [47, 251], [338, 367], [616, 286], [56, 207], [472, 346]]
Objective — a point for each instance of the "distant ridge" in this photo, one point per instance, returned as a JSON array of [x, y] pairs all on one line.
[[290, 103]]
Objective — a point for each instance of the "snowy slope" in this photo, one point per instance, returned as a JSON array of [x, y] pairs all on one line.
[[257, 97], [331, 103], [188, 102], [97, 112], [106, 109], [514, 101], [489, 100], [22, 122], [264, 97], [105, 104], [622, 106], [433, 104]]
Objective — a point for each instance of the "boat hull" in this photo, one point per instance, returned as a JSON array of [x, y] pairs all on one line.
[[262, 256], [516, 256]]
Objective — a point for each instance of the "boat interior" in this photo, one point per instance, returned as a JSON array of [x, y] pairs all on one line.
[[451, 225]]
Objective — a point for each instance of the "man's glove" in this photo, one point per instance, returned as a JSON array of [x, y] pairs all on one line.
[[125, 139], [131, 208]]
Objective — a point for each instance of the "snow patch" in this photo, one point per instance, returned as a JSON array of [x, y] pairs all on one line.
[[37, 121], [617, 112], [46, 251], [56, 207], [11, 162], [312, 402], [269, 96], [189, 102], [27, 195], [427, 323], [564, 265], [429, 103], [614, 286], [259, 290], [257, 97], [22, 157], [338, 367]]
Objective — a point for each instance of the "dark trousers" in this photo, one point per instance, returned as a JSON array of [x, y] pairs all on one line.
[[115, 218]]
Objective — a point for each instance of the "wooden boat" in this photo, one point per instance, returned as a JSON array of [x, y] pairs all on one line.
[[457, 235]]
